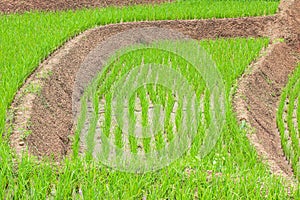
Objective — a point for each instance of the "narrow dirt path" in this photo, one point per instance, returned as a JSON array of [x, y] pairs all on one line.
[[259, 91]]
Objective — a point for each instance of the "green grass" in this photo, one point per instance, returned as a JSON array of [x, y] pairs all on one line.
[[25, 40], [288, 121]]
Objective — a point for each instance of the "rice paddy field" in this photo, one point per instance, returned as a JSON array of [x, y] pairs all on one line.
[[93, 143]]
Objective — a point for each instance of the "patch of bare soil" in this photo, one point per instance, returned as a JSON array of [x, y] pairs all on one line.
[[17, 6], [50, 119]]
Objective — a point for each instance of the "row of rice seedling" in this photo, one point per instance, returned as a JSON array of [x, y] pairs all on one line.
[[288, 121]]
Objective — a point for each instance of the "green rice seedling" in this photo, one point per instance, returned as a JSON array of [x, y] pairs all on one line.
[[178, 115], [159, 141], [118, 137], [293, 113], [133, 144], [169, 108], [90, 137], [163, 95], [298, 116], [80, 124], [145, 106], [280, 122], [207, 107], [151, 93], [107, 115], [131, 105]]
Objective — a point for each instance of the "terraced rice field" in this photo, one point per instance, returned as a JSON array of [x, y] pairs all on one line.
[[160, 100]]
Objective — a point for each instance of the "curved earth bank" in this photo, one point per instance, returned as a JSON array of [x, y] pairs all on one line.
[[47, 114], [258, 94]]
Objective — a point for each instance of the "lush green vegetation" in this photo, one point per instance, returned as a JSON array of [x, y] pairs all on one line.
[[288, 121], [232, 170]]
